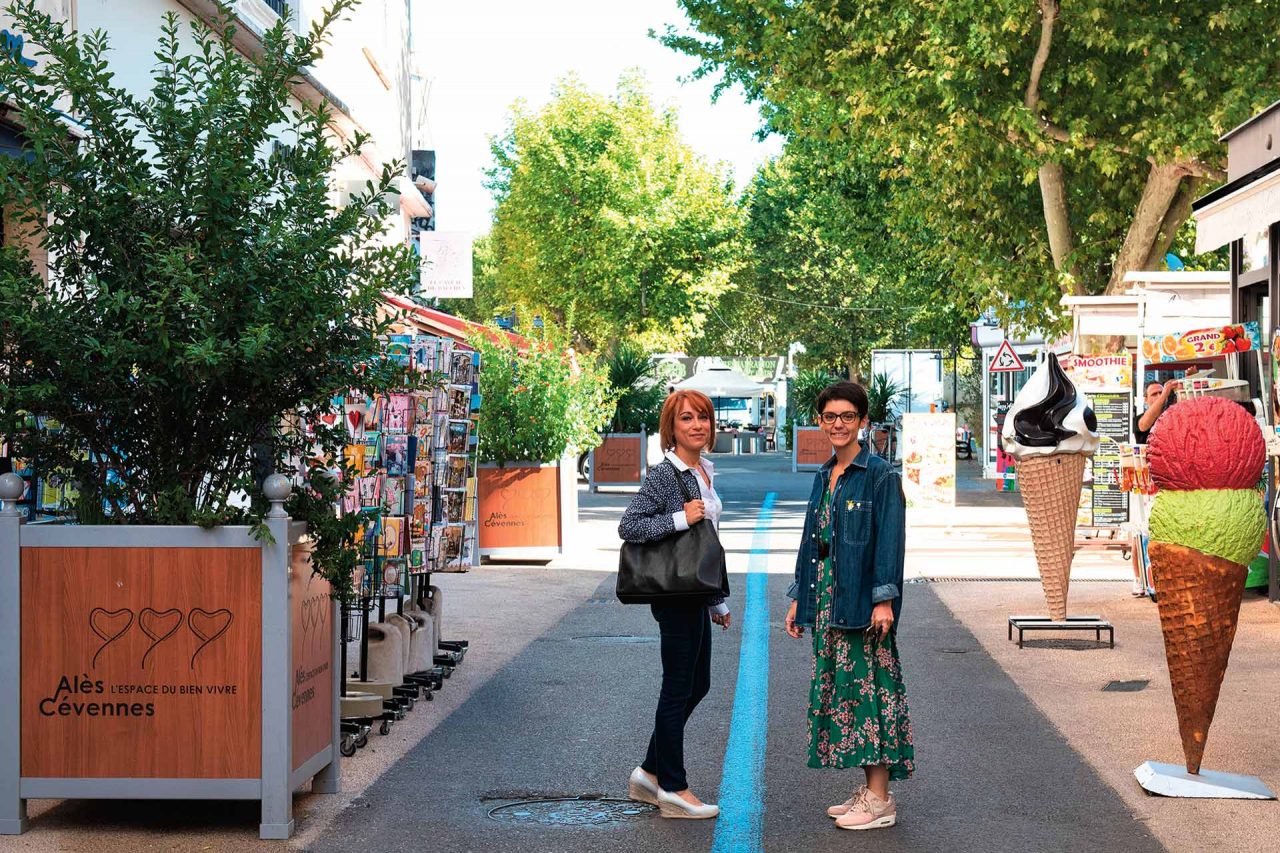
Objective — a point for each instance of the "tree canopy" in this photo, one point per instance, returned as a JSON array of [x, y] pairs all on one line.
[[1045, 148], [606, 221]]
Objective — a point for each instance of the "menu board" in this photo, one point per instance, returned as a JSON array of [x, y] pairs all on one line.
[[1108, 504]]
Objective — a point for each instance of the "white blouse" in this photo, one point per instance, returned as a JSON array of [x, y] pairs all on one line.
[[713, 507]]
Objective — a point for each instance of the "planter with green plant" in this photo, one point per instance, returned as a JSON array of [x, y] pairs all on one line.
[[205, 302], [541, 403], [631, 441]]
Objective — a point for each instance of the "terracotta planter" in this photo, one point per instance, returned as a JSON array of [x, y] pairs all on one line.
[[526, 509], [165, 663]]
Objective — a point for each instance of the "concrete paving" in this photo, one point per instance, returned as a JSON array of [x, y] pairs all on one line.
[[1017, 749]]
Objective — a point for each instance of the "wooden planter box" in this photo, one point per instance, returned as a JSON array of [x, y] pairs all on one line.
[[621, 459], [165, 663], [527, 509], [810, 448]]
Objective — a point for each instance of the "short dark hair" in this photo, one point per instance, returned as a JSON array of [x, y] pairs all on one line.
[[850, 392]]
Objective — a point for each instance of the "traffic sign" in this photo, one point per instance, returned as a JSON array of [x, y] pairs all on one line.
[[1006, 360]]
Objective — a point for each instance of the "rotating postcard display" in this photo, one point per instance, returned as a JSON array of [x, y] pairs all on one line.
[[415, 457]]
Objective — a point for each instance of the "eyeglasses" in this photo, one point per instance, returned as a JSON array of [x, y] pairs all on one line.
[[845, 417]]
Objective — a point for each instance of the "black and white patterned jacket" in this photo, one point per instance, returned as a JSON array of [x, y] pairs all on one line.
[[649, 516]]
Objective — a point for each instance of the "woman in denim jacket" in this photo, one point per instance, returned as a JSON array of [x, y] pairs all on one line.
[[687, 428], [848, 589]]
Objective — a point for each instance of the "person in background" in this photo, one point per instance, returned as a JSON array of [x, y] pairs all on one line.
[[1157, 400], [687, 428]]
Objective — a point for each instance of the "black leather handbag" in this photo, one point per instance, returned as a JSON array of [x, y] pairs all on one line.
[[688, 564]]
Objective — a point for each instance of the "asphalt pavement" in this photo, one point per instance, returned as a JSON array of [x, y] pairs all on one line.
[[569, 716]]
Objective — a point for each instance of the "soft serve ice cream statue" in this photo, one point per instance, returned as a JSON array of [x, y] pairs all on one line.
[[1051, 432], [1049, 416]]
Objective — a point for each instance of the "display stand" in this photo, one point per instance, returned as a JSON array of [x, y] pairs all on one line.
[[413, 454], [1173, 780], [1096, 624]]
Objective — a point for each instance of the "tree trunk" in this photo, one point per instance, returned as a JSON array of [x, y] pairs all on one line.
[[1179, 212], [1053, 193], [1163, 184]]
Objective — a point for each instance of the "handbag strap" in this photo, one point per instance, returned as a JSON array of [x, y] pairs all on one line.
[[684, 490]]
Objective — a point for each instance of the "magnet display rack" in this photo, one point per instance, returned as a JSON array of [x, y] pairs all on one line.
[[414, 455]]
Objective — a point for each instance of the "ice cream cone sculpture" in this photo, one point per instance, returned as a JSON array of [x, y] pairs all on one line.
[[1207, 523], [1051, 432]]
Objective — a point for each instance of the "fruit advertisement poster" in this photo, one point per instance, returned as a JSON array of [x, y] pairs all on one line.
[[929, 459], [1215, 342]]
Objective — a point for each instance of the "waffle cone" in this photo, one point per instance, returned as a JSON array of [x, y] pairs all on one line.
[[1050, 487], [1198, 596]]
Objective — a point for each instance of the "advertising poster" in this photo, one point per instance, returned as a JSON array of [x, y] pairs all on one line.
[[446, 264], [929, 459], [1100, 372], [1202, 343]]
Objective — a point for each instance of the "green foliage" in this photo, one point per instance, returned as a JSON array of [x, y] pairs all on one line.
[[607, 222], [541, 401], [826, 271], [204, 287], [634, 379], [943, 94], [882, 398], [802, 395]]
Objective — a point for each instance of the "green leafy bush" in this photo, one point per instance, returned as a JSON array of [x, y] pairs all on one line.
[[203, 289], [539, 401], [634, 379]]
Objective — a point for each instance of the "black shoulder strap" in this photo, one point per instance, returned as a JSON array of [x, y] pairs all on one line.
[[684, 490]]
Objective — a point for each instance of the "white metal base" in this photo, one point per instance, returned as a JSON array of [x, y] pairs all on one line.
[[1173, 780]]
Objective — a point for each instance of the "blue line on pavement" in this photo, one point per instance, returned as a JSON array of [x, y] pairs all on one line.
[[740, 827]]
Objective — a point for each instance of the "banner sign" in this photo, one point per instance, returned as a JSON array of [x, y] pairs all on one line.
[[1100, 372], [446, 264], [1202, 343], [929, 459]]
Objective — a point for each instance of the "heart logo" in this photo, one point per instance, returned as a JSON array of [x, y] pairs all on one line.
[[159, 625], [207, 627], [329, 418], [109, 625], [307, 617]]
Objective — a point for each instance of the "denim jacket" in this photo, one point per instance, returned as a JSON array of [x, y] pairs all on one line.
[[868, 543]]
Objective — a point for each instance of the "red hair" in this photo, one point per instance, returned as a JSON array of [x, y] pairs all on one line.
[[700, 403]]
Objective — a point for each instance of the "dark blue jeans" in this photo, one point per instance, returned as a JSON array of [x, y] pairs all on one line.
[[686, 678]]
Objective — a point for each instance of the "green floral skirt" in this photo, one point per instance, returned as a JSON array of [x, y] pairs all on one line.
[[857, 701]]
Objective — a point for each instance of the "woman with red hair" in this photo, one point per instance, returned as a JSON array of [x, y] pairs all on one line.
[[687, 429]]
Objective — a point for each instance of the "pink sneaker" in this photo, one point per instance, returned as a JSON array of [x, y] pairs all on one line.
[[843, 808], [869, 812]]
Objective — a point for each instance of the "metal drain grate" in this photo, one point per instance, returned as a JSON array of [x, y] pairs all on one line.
[[572, 811], [615, 639], [1126, 686]]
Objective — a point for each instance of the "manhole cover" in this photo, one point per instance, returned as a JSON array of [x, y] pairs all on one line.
[[1126, 686], [953, 651], [572, 811], [615, 638]]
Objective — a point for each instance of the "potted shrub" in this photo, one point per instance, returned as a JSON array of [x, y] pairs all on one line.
[[540, 402], [632, 433], [206, 301]]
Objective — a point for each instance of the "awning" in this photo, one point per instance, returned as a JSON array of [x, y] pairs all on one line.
[[412, 201], [1242, 207], [722, 382]]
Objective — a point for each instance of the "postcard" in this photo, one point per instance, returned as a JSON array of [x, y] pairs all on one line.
[[395, 455], [459, 433], [397, 413]]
